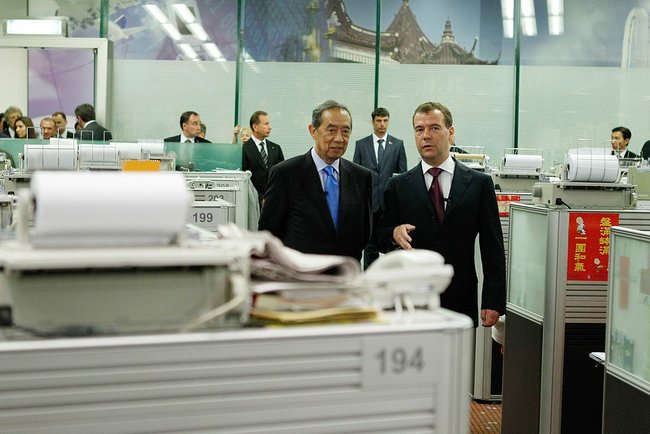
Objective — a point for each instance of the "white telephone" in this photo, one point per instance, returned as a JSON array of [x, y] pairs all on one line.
[[408, 277]]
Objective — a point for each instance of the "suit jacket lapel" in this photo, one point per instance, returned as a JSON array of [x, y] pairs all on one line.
[[459, 183], [370, 148], [256, 152], [314, 189], [417, 186]]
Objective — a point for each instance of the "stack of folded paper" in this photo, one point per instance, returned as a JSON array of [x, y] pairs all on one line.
[[298, 302]]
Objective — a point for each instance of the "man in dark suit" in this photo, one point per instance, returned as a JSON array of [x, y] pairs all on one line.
[[260, 154], [442, 205], [90, 129], [384, 155], [190, 123], [620, 140], [61, 122], [300, 204]]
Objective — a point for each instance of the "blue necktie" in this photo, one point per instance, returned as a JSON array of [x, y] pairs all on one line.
[[332, 191]]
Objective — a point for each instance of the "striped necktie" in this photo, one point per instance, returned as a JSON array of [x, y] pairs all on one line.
[[265, 157]]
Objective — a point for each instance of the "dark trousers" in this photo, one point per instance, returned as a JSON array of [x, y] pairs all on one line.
[[370, 253]]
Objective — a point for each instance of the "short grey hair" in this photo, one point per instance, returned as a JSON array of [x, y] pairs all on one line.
[[12, 109], [317, 114]]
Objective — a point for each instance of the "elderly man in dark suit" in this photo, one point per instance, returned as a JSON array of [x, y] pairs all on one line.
[[384, 155], [190, 123], [260, 154], [90, 128], [319, 202], [443, 205]]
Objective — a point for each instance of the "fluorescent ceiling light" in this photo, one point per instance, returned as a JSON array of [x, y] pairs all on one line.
[[508, 16], [188, 51], [155, 12], [185, 13], [527, 8], [198, 31], [555, 17], [172, 31], [528, 26], [214, 51], [555, 7], [36, 26], [555, 25]]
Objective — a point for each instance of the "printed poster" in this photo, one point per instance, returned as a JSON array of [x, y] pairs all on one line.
[[588, 245]]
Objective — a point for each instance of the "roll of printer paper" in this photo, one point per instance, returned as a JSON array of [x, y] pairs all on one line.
[[522, 162], [591, 167], [109, 208]]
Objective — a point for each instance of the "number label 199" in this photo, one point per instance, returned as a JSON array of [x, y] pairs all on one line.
[[399, 359]]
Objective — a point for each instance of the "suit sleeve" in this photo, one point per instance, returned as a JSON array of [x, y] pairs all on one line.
[[367, 209], [274, 213], [357, 154], [492, 251], [245, 162], [390, 218], [281, 155], [401, 162]]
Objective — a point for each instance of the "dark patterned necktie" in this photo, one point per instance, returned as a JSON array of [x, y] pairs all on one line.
[[436, 194], [265, 157], [380, 152]]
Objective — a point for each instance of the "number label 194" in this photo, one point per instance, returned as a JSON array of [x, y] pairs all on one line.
[[400, 359]]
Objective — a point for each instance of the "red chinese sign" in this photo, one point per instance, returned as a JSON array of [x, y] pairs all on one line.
[[504, 201], [588, 250]]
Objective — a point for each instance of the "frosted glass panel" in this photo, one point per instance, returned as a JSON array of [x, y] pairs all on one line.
[[560, 105], [149, 97], [527, 260], [480, 99], [288, 92], [629, 304]]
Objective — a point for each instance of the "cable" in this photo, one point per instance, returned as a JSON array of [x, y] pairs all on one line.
[[239, 285]]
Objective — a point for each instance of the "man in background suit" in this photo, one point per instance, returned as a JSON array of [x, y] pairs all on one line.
[[260, 154], [620, 140], [61, 122], [190, 123], [90, 129], [300, 205], [464, 206], [384, 155]]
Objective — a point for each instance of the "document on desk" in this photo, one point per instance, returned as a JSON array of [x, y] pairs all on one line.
[[272, 260], [300, 302]]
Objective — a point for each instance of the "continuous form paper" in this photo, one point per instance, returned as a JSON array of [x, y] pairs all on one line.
[[595, 166], [114, 208], [50, 157], [522, 162]]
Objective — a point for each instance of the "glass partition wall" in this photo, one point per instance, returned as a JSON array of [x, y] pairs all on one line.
[[539, 74]]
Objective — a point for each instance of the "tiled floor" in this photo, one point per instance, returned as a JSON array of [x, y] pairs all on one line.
[[485, 418]]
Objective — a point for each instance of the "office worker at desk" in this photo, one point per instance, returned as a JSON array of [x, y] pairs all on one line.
[[442, 205], [260, 154], [620, 141], [319, 202], [90, 128], [190, 123], [383, 155]]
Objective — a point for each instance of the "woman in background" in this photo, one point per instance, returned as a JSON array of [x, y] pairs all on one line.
[[245, 132], [24, 128]]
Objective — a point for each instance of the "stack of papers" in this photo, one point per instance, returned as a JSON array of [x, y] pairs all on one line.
[[298, 303]]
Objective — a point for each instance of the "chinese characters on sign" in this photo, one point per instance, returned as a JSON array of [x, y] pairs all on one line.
[[504, 201], [588, 245]]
